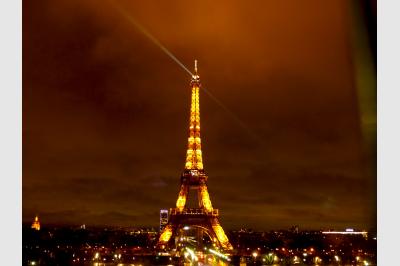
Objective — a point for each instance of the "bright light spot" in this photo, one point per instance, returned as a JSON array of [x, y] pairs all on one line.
[[366, 263], [33, 262], [191, 253], [219, 254], [305, 254], [255, 254], [186, 228], [336, 258]]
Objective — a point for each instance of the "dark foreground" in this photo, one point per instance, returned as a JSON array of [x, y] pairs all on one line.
[[130, 246]]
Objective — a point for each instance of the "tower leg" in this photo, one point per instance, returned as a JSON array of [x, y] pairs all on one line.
[[168, 231], [181, 202], [204, 198], [221, 236], [200, 237]]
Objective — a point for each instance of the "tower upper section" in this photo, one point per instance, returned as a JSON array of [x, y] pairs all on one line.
[[194, 159]]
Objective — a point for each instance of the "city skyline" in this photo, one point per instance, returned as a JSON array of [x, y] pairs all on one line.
[[105, 115]]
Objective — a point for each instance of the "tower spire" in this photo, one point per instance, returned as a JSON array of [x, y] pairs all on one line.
[[194, 160]]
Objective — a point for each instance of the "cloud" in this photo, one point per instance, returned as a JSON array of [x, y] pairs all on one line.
[[105, 112]]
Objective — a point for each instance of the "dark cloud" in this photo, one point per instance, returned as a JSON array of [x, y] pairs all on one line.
[[105, 112]]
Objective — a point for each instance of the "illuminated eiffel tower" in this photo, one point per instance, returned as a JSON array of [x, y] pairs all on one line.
[[205, 217]]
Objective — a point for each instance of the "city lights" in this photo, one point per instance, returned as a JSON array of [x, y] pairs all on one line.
[[219, 254], [317, 260], [253, 245], [346, 232], [191, 253]]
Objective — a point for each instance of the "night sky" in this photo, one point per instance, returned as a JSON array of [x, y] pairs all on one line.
[[105, 112]]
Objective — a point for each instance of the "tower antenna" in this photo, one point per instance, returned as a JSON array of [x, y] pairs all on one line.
[[195, 66]]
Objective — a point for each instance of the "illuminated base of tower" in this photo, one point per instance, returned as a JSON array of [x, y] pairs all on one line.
[[198, 217]]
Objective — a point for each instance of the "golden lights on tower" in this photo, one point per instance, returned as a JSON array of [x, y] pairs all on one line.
[[181, 202], [166, 234], [194, 177], [205, 199], [194, 159], [223, 239]]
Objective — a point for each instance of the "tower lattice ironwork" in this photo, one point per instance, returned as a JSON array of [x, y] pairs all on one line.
[[193, 177]]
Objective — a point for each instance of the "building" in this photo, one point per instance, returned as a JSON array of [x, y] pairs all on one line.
[[36, 224], [163, 219]]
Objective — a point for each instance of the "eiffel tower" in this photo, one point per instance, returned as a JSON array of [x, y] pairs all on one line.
[[205, 217]]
